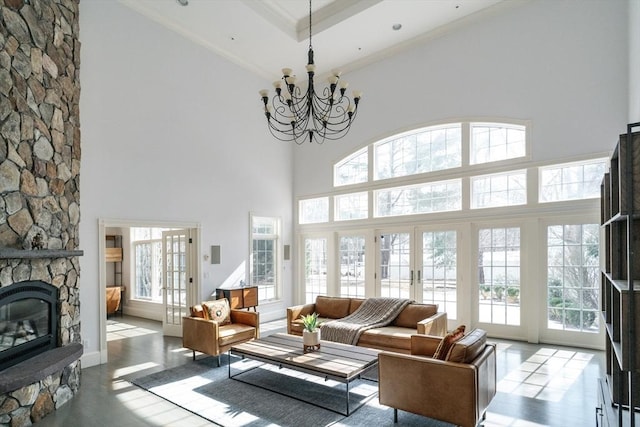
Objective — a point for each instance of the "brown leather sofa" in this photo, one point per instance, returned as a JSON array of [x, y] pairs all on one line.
[[457, 390], [414, 319], [212, 338]]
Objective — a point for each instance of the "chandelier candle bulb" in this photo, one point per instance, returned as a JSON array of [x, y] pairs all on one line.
[[286, 72]]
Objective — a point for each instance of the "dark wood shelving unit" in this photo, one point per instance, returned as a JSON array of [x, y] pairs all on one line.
[[113, 256], [620, 271]]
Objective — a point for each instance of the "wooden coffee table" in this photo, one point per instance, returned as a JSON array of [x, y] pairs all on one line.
[[340, 362]]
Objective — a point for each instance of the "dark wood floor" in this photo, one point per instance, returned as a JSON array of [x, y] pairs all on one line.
[[538, 385]]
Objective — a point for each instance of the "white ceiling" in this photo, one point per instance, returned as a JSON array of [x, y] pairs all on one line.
[[265, 36]]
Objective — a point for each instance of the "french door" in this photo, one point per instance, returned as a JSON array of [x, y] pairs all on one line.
[[571, 273], [499, 279], [397, 274], [419, 263], [177, 279]]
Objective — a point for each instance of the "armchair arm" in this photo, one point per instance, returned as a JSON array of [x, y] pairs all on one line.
[[250, 318], [435, 325], [200, 335], [296, 311], [424, 345]]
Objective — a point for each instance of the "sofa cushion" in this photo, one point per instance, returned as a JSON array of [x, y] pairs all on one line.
[[388, 337], [332, 307], [467, 348], [235, 332], [413, 313], [218, 310], [355, 304], [447, 342]]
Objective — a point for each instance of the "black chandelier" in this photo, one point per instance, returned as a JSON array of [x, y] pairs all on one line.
[[295, 114]]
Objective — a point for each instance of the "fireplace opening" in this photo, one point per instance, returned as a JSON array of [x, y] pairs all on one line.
[[28, 321]]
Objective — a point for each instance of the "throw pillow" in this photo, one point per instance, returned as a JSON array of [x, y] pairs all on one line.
[[198, 311], [466, 349], [218, 310], [447, 342]]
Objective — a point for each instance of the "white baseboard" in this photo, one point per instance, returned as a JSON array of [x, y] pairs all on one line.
[[152, 313], [91, 359], [270, 316]]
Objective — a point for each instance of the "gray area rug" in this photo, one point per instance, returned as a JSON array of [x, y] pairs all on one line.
[[205, 389]]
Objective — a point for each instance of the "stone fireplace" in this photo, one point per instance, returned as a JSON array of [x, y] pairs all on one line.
[[40, 193]]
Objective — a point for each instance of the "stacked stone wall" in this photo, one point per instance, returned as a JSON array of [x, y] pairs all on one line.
[[40, 174]]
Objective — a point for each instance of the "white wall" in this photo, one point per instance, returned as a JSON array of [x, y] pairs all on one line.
[[171, 132], [561, 64], [634, 61]]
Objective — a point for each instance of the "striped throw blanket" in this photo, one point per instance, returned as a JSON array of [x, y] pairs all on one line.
[[372, 313]]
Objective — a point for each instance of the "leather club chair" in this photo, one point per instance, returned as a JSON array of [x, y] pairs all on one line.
[[210, 337], [457, 390]]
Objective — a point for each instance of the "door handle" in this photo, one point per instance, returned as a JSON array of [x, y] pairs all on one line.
[[411, 281], [419, 271]]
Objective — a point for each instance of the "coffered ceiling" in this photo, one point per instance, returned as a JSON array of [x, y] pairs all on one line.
[[264, 36]]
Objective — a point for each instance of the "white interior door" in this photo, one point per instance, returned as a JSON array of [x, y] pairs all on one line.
[[177, 279]]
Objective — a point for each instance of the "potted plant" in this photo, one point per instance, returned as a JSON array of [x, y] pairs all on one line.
[[485, 291], [311, 331], [498, 292], [513, 294]]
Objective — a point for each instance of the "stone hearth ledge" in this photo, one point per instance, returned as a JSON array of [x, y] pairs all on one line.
[[7, 253], [39, 367]]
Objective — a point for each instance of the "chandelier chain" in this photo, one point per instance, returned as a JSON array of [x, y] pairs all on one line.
[[309, 24]]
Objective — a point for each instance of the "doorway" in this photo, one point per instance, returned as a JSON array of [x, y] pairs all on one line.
[[174, 255]]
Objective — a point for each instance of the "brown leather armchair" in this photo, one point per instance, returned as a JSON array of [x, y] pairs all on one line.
[[209, 337], [457, 390]]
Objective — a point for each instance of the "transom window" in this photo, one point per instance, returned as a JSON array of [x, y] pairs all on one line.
[[431, 170], [571, 181], [352, 170], [415, 199], [314, 210], [426, 150], [351, 206], [504, 189], [491, 142]]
